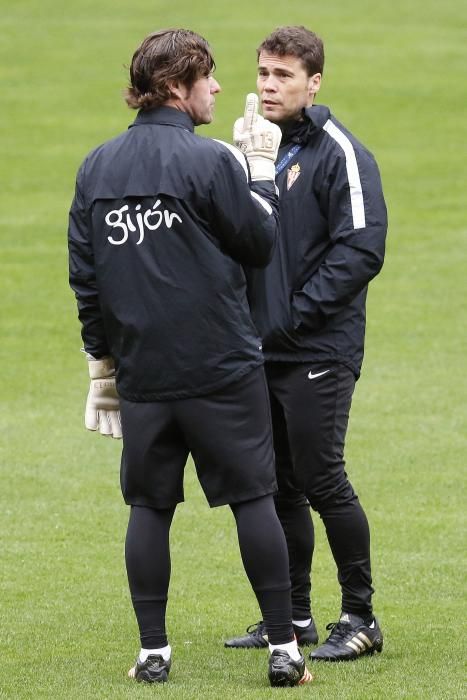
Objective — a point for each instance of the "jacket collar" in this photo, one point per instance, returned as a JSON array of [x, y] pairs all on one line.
[[301, 131], [164, 115]]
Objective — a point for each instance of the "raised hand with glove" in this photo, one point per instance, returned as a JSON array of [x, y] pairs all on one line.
[[102, 405], [258, 139]]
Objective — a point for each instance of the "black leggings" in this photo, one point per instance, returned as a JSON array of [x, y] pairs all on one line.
[[264, 555]]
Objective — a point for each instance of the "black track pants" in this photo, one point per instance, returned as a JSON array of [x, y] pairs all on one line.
[[310, 407], [299, 532]]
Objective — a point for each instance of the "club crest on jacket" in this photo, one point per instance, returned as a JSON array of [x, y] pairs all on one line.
[[292, 175]]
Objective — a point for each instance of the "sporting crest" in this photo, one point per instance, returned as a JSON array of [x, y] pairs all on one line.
[[292, 175]]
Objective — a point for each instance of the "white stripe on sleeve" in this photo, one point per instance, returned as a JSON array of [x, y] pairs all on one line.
[[242, 160], [356, 194], [237, 154], [262, 201]]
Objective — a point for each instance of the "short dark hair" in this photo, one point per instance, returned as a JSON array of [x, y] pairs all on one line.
[[169, 55], [299, 42]]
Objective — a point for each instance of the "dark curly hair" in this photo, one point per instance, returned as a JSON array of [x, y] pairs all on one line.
[[164, 57]]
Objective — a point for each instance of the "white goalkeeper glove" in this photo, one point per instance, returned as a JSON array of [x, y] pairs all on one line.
[[258, 139], [102, 405]]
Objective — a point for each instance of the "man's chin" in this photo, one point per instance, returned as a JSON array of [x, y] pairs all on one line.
[[272, 114], [205, 119]]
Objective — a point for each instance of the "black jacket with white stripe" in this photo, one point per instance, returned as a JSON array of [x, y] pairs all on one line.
[[161, 225], [309, 303]]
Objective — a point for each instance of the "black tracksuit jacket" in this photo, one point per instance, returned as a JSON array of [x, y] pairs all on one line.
[[309, 303], [160, 227]]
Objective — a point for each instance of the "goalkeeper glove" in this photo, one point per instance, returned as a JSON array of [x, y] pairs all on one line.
[[102, 405], [258, 139]]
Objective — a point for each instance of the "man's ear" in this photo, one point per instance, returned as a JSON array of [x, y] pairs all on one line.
[[314, 84], [177, 90]]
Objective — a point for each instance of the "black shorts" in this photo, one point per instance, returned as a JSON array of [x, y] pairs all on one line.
[[229, 436]]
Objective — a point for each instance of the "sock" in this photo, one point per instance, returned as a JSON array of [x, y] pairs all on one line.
[[291, 648], [301, 623], [165, 652]]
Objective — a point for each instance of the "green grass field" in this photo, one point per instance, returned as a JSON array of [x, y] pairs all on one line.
[[396, 76]]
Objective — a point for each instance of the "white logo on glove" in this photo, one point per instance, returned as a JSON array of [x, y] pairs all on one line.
[[254, 134], [151, 219], [258, 139]]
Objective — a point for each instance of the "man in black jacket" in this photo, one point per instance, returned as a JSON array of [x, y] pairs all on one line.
[[160, 226], [309, 306]]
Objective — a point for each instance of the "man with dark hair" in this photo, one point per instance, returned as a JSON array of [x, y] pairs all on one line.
[[160, 226], [309, 306]]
